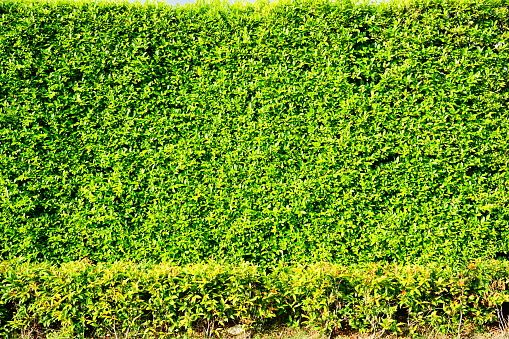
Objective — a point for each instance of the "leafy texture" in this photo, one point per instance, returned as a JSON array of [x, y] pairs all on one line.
[[81, 299], [294, 131]]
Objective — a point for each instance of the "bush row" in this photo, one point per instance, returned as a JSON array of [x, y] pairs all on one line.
[[84, 299]]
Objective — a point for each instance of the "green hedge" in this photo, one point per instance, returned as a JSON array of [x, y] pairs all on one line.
[[298, 131], [82, 299]]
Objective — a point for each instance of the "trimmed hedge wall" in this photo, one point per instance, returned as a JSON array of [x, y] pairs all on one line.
[[299, 131], [134, 300]]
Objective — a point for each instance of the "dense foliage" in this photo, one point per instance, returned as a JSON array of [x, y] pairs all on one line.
[[135, 301], [298, 131]]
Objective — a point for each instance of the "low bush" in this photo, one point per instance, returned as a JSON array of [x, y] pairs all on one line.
[[85, 299]]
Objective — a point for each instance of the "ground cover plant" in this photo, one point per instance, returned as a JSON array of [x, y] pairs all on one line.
[[124, 299], [288, 133]]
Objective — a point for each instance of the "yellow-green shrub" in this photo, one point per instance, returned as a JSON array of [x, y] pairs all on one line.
[[161, 299]]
